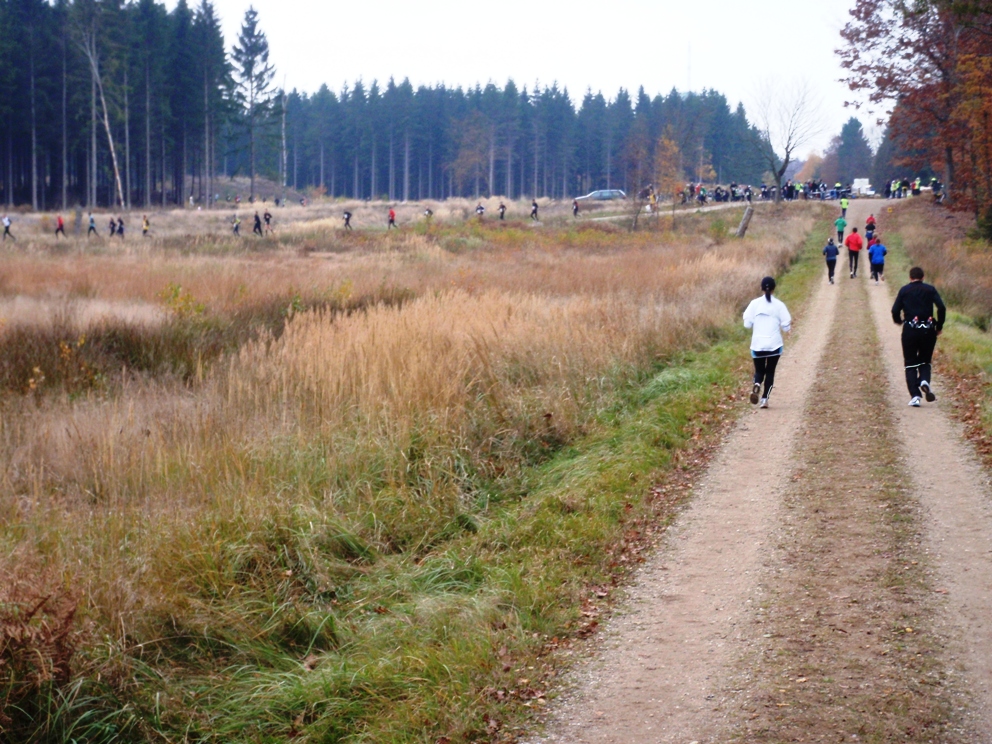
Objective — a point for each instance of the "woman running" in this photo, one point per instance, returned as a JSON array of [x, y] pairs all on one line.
[[768, 316]]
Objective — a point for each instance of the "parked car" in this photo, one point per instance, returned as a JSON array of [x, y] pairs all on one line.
[[603, 195]]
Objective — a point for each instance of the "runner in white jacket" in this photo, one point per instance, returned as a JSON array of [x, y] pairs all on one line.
[[768, 317]]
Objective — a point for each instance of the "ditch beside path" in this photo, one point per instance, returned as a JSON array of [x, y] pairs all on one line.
[[831, 579]]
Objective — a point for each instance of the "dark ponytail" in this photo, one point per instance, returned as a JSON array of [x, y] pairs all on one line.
[[768, 286]]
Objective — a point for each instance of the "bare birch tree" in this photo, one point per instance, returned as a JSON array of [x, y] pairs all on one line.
[[786, 118], [87, 43]]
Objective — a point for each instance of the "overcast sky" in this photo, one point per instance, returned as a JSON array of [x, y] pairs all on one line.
[[726, 45]]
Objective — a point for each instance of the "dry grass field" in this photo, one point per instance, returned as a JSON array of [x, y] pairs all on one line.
[[253, 489]]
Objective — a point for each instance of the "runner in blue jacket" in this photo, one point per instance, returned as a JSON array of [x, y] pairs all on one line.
[[831, 252], [876, 257]]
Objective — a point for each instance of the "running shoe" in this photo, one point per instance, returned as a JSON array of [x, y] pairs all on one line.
[[763, 403], [754, 392], [852, 274], [925, 387], [915, 401]]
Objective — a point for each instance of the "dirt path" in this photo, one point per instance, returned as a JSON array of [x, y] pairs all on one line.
[[832, 579], [954, 492], [669, 655]]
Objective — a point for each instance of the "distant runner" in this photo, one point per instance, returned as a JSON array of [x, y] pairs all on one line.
[[392, 219], [347, 221], [113, 227], [268, 221], [840, 223], [768, 317], [145, 225], [870, 227], [428, 214], [236, 225], [533, 210], [480, 211], [844, 204], [6, 229], [257, 227], [575, 206], [831, 252], [876, 258], [120, 227], [502, 210], [854, 245], [913, 309], [59, 227], [92, 227]]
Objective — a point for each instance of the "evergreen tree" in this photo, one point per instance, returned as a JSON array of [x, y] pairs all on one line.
[[254, 75]]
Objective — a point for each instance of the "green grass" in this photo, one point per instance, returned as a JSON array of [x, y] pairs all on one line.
[[296, 626]]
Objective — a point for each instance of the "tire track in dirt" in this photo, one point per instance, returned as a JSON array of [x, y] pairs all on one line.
[[955, 494], [663, 671]]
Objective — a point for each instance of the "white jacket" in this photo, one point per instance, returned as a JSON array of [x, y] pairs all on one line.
[[768, 319]]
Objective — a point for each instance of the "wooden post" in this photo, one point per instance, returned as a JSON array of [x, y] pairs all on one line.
[[745, 221]]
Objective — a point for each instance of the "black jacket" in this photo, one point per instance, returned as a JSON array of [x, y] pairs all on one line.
[[916, 301]]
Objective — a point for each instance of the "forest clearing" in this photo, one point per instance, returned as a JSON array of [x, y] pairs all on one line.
[[330, 474], [409, 379]]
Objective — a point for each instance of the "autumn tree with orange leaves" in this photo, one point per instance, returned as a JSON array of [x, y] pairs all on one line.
[[926, 63]]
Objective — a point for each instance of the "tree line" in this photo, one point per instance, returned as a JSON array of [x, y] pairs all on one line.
[[121, 104], [931, 61]]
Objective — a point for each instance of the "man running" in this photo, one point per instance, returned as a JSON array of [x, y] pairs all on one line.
[[502, 210], [120, 227], [268, 221], [768, 317], [831, 252], [533, 210], [6, 228], [257, 227], [840, 223], [92, 227], [236, 225], [392, 220], [876, 258], [145, 225], [428, 214], [480, 211], [913, 309], [854, 245], [844, 204], [870, 227], [59, 227], [575, 206], [347, 221], [112, 226]]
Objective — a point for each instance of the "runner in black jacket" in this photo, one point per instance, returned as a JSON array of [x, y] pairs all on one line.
[[913, 309]]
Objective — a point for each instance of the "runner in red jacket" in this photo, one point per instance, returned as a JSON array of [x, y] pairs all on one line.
[[854, 245]]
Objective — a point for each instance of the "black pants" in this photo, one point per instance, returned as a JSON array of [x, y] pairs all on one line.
[[831, 265], [852, 257], [877, 270], [917, 352], [764, 371]]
